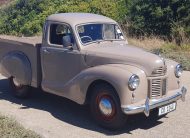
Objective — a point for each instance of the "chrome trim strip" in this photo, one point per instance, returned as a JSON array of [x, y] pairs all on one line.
[[153, 103]]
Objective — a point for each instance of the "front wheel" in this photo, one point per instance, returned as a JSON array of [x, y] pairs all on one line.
[[105, 107], [19, 90]]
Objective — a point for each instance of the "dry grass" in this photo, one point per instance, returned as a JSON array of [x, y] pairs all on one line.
[[2, 2], [11, 129], [170, 50], [5, 3], [147, 43]]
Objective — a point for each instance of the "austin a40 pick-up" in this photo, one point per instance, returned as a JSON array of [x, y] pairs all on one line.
[[86, 58]]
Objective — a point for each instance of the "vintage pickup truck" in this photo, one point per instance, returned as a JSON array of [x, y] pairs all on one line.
[[86, 58]]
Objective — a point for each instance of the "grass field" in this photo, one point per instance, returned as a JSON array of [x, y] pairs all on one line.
[[11, 129]]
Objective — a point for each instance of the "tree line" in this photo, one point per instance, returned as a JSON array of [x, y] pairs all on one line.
[[163, 18]]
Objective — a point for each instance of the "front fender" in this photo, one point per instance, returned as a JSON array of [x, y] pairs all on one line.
[[116, 75], [16, 64], [173, 81]]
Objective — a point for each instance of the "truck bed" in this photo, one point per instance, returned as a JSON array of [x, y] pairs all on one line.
[[30, 46], [28, 40]]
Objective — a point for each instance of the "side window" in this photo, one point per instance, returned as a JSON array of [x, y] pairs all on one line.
[[109, 31], [112, 31], [58, 32]]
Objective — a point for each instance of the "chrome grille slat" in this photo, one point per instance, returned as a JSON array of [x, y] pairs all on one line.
[[156, 84], [157, 87], [156, 90], [161, 71], [156, 93]]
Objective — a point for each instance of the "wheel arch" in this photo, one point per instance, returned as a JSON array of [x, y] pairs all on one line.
[[17, 64], [108, 74], [95, 83]]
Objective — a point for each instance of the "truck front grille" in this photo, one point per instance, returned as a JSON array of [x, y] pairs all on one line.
[[161, 71], [157, 87]]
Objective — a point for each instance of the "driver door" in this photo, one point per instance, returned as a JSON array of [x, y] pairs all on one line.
[[59, 64]]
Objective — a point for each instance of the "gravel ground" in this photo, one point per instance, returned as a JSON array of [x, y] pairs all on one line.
[[55, 117]]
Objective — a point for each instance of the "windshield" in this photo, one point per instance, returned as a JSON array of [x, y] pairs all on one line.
[[98, 32]]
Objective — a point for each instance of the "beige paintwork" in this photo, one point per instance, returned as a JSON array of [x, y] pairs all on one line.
[[13, 57], [74, 19], [69, 73]]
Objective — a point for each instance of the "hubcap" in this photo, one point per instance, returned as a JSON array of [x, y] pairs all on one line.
[[105, 107]]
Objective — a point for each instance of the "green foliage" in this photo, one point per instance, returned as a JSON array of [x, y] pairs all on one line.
[[26, 17], [160, 17], [163, 18]]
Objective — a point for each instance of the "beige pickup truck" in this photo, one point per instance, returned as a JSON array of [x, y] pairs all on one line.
[[86, 58]]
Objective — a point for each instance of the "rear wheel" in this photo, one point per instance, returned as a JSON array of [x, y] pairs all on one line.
[[19, 90], [106, 108]]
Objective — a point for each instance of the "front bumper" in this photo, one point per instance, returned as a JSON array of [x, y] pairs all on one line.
[[150, 104]]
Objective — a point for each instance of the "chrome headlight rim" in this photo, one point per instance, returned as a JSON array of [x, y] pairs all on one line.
[[133, 82], [178, 70]]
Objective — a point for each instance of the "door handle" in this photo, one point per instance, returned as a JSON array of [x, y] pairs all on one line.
[[46, 51]]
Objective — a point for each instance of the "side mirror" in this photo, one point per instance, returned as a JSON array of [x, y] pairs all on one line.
[[67, 42]]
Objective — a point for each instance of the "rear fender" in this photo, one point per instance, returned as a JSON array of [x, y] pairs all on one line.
[[16, 64]]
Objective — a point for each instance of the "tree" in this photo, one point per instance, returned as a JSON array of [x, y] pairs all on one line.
[[26, 17], [159, 17]]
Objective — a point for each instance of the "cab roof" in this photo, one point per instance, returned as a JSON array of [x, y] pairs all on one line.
[[79, 18]]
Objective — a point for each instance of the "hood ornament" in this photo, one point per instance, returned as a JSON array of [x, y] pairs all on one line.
[[163, 59], [157, 52]]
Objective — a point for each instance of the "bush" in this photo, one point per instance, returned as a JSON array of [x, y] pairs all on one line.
[[163, 18], [166, 19], [26, 17]]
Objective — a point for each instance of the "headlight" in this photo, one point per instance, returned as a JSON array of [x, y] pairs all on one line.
[[178, 70], [134, 82]]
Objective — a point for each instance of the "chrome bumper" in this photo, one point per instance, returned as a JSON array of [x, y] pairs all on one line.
[[154, 103]]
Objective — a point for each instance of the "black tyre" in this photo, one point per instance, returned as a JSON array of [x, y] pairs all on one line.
[[106, 108], [19, 90]]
